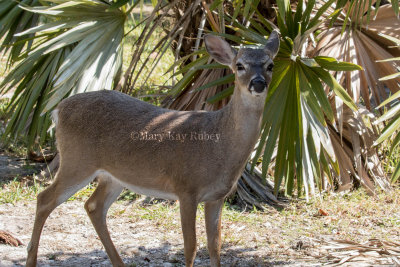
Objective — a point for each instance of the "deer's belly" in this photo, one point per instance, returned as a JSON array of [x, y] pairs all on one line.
[[151, 192]]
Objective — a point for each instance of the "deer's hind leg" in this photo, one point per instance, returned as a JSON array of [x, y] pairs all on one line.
[[97, 206], [68, 181]]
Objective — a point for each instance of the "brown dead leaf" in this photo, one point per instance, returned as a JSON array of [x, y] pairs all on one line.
[[322, 212], [7, 239]]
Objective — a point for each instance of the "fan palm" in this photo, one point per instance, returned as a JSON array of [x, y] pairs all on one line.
[[355, 37], [14, 20], [78, 50]]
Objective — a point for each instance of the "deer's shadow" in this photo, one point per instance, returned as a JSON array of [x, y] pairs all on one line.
[[158, 256]]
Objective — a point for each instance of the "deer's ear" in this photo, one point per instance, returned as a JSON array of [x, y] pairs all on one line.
[[272, 45], [219, 49]]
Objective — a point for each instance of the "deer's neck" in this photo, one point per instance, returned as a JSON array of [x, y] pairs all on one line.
[[241, 120]]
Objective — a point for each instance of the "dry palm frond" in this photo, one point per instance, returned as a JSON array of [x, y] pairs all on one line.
[[356, 155], [192, 99], [175, 33], [359, 42], [373, 252], [8, 239], [352, 39]]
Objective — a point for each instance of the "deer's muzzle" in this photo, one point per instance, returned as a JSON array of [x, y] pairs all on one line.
[[258, 85]]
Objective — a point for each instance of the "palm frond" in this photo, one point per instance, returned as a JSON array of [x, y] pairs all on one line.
[[362, 43], [79, 50], [13, 19]]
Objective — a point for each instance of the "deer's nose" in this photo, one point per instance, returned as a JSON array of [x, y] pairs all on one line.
[[258, 85]]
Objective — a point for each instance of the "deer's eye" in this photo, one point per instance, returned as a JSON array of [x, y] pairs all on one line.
[[270, 67], [240, 66]]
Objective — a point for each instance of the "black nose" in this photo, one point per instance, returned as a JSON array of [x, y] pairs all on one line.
[[258, 84]]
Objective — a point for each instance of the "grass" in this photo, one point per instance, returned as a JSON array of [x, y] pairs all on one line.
[[17, 190], [389, 161], [351, 216]]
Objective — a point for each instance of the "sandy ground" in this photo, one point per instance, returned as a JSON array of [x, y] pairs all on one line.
[[69, 239], [150, 235]]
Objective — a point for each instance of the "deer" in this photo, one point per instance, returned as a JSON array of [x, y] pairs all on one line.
[[110, 136]]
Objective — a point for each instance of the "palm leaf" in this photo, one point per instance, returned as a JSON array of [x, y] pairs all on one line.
[[74, 54], [13, 19], [361, 44]]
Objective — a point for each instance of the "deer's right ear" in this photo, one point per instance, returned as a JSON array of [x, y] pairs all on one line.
[[219, 49], [272, 45]]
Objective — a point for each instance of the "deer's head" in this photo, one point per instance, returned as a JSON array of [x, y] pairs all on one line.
[[252, 67]]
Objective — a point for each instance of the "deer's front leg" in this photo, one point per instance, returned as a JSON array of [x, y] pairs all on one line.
[[213, 211], [188, 208]]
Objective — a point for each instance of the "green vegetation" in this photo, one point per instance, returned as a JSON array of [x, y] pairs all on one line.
[[17, 190]]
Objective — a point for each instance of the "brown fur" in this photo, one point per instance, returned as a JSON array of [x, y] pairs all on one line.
[[97, 131]]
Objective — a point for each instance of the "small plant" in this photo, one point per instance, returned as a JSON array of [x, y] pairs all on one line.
[[15, 190], [128, 195]]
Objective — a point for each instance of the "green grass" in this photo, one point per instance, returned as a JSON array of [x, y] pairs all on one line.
[[389, 162], [17, 190], [21, 189], [85, 193]]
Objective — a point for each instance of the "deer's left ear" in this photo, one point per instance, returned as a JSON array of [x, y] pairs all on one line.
[[272, 45], [219, 49]]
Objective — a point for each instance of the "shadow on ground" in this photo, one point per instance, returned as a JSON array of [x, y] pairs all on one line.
[[157, 256], [12, 167]]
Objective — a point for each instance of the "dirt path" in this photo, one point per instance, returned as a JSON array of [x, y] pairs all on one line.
[[150, 235], [70, 240]]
